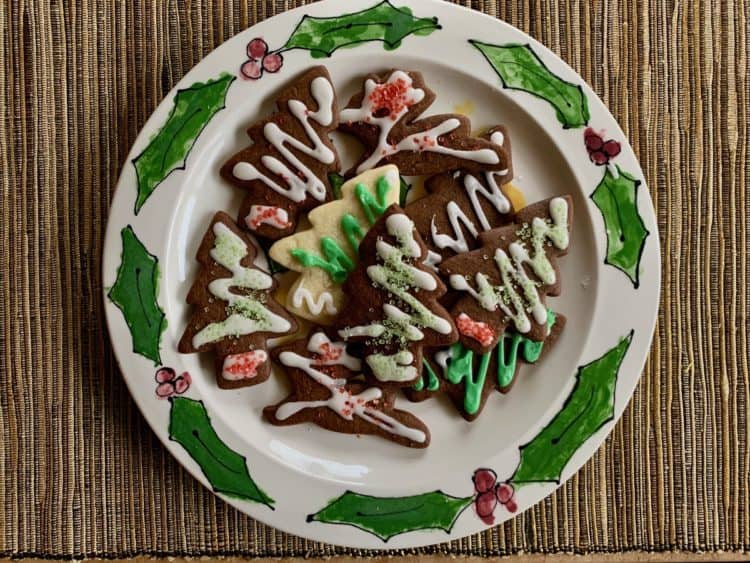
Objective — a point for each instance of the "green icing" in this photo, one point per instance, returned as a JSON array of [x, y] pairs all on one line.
[[530, 350], [433, 383], [336, 262], [372, 207], [460, 365], [460, 368], [353, 232]]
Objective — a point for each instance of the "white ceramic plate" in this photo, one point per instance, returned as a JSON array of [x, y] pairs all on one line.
[[368, 492]]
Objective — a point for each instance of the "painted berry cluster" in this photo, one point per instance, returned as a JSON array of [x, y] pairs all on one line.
[[490, 493]]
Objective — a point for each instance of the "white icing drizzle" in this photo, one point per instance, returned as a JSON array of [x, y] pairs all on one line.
[[497, 138], [341, 401], [244, 365], [299, 178], [325, 301], [425, 141], [433, 259], [246, 313], [513, 273], [474, 189], [397, 277]]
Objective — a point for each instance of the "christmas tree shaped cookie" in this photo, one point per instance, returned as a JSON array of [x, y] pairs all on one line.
[[324, 393], [325, 254], [505, 280], [462, 204], [469, 378], [285, 169], [234, 312], [393, 309], [384, 116]]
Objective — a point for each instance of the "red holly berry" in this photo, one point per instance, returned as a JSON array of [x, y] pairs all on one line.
[[164, 374], [251, 69], [611, 148], [484, 480], [503, 492], [511, 505], [485, 504], [257, 48], [598, 157], [592, 139], [273, 62], [182, 383]]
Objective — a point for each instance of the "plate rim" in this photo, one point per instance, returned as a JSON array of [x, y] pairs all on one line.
[[331, 534]]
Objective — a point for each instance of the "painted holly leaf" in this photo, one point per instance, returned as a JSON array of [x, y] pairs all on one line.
[[225, 469], [520, 68], [193, 109], [589, 406], [382, 22], [386, 517], [616, 196], [134, 293]]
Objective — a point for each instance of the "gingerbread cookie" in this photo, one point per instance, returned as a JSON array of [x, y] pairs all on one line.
[[462, 204], [504, 281], [234, 311], [325, 254], [285, 169], [393, 308], [469, 378], [320, 372], [385, 118]]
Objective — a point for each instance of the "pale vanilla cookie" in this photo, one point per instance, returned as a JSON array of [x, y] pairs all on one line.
[[325, 254]]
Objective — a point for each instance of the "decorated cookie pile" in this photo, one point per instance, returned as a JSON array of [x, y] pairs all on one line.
[[443, 294]]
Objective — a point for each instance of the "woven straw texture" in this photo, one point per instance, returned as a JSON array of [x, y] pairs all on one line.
[[80, 471]]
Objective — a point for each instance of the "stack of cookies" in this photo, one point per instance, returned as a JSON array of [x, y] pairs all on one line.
[[445, 294]]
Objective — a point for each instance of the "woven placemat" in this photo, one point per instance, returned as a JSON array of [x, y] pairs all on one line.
[[81, 473]]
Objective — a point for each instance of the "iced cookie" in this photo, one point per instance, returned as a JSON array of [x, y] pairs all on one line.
[[285, 170], [325, 254], [234, 313], [385, 117]]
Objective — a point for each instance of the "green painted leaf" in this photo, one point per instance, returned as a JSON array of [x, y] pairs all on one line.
[[225, 469], [520, 68], [382, 22], [386, 517], [193, 109], [617, 199], [134, 293], [589, 406]]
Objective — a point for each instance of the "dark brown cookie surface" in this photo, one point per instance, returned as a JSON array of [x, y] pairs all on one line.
[[320, 371], [234, 312], [460, 205], [384, 116], [285, 169], [393, 308], [504, 281]]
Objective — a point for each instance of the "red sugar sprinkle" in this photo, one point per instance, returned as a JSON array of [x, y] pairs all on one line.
[[390, 98], [479, 331]]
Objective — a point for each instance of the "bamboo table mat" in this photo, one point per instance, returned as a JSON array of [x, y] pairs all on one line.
[[81, 474]]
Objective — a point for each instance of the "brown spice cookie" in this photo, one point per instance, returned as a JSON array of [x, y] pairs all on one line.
[[392, 302], [234, 311], [285, 169], [462, 204], [384, 117], [469, 378], [323, 393], [505, 280]]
